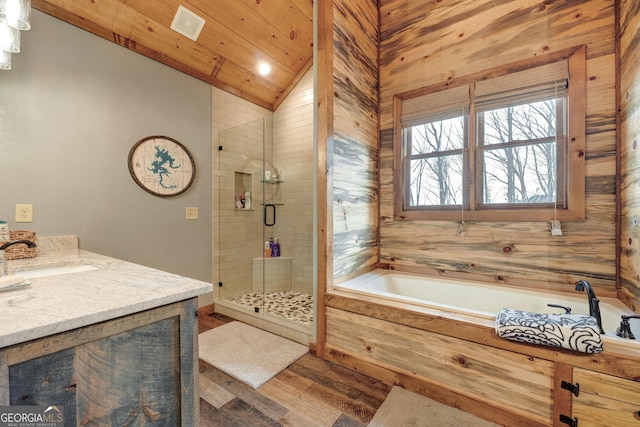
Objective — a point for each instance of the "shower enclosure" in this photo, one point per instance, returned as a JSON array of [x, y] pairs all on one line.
[[264, 186]]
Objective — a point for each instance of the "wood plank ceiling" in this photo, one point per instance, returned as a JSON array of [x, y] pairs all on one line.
[[237, 35]]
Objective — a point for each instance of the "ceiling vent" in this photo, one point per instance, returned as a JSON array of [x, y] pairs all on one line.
[[187, 23]]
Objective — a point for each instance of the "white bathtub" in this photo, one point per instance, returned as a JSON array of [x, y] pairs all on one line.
[[479, 299]]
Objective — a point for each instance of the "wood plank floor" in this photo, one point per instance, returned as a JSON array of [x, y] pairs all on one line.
[[311, 392]]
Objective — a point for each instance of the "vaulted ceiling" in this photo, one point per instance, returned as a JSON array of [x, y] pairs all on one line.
[[237, 36]]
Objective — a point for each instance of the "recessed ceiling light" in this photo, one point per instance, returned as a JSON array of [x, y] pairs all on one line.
[[264, 69]]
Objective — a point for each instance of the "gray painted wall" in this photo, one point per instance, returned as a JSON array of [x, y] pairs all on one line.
[[70, 110]]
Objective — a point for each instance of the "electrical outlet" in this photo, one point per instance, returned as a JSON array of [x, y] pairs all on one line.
[[192, 213], [24, 213]]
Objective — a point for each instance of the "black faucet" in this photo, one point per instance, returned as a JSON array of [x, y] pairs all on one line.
[[624, 330], [594, 302], [29, 244]]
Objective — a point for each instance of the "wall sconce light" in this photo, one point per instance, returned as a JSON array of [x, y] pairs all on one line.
[[5, 60], [17, 13], [15, 16], [9, 38]]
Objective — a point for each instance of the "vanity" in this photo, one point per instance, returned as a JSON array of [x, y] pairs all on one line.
[[107, 341]]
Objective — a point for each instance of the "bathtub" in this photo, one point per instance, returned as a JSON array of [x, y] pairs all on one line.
[[481, 300]]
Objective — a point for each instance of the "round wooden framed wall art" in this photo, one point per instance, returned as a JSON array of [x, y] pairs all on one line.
[[161, 166]]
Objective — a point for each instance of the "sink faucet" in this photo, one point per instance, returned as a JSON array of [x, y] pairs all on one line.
[[594, 302], [29, 244]]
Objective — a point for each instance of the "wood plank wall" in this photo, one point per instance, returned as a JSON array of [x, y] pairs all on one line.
[[424, 43], [355, 135], [630, 140]]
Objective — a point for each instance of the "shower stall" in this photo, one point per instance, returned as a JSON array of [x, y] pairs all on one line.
[[263, 177]]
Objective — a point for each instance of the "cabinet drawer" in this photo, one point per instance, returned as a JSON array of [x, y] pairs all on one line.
[[607, 386], [605, 400]]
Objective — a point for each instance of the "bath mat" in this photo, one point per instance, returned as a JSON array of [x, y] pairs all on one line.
[[408, 409], [248, 354]]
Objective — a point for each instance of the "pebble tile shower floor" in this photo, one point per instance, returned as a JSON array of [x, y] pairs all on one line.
[[291, 305]]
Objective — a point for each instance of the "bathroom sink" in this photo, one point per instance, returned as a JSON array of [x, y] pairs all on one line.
[[54, 271]]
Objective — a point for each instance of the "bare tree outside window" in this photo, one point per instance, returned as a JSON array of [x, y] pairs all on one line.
[[498, 145], [518, 145], [436, 163], [520, 153]]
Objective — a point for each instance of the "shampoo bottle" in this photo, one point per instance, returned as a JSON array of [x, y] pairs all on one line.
[[267, 250], [275, 250]]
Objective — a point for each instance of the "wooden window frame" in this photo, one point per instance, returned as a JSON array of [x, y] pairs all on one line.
[[472, 209]]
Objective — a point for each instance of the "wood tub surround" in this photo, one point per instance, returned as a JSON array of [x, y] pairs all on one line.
[[465, 364], [442, 356], [114, 346], [629, 135], [348, 109], [419, 49], [354, 201]]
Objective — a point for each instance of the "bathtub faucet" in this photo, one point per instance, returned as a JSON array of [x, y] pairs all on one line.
[[594, 302], [624, 330]]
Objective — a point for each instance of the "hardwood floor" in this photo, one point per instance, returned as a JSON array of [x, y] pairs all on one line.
[[310, 393]]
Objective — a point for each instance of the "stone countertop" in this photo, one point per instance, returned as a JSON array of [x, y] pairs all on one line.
[[60, 303]]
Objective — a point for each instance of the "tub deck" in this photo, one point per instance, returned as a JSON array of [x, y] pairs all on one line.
[[454, 356], [475, 300]]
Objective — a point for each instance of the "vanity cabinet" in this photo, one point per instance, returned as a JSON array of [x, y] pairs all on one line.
[[132, 370], [605, 400]]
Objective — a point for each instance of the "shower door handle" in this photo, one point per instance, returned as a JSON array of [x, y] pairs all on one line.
[[266, 221]]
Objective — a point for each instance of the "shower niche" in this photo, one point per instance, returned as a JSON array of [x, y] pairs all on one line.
[[242, 193], [252, 211]]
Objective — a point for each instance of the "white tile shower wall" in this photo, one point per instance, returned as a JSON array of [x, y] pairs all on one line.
[[237, 235], [293, 150], [275, 277]]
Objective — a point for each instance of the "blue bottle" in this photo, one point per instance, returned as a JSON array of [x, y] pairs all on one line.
[[275, 250]]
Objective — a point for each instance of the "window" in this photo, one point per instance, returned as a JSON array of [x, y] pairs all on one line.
[[509, 147]]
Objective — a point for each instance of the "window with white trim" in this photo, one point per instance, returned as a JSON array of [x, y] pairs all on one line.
[[509, 147]]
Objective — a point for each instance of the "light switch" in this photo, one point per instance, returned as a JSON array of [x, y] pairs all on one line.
[[192, 213]]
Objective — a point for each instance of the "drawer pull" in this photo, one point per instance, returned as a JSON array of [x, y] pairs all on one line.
[[575, 389], [573, 422]]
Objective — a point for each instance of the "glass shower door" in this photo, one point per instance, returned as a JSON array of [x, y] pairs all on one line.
[[264, 193], [239, 236], [276, 268]]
